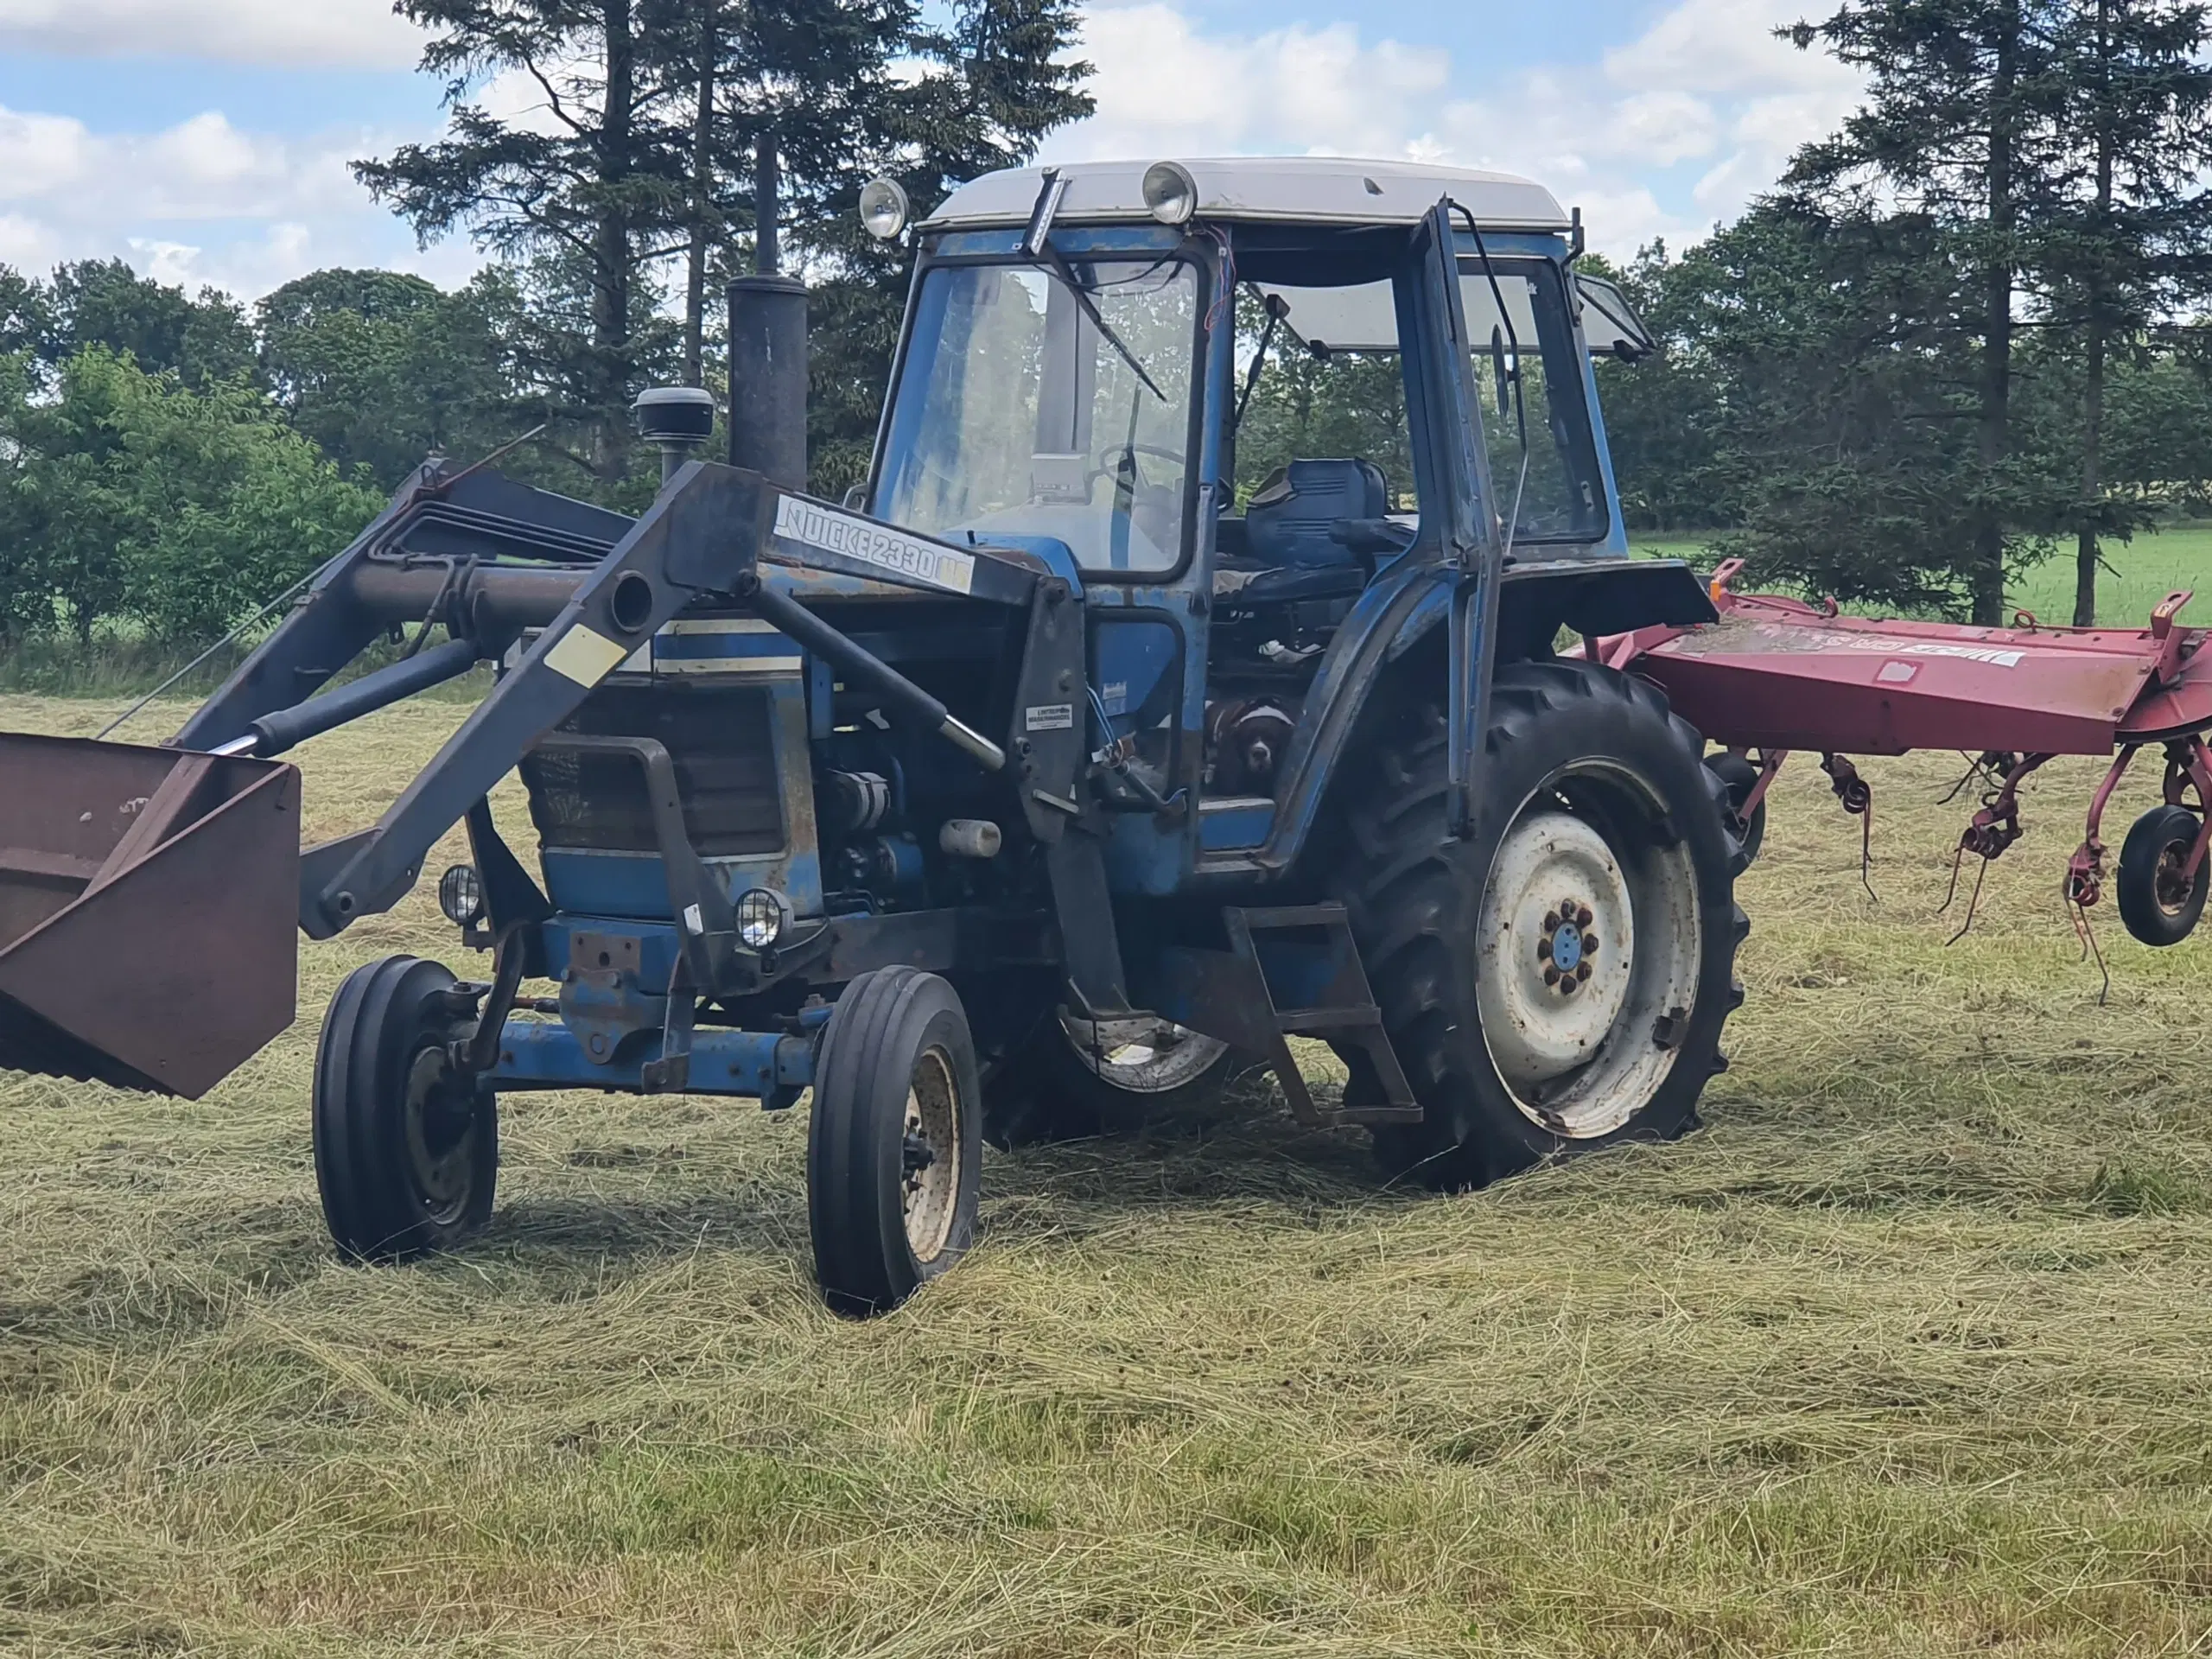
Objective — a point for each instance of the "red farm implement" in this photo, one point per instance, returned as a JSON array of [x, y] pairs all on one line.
[[1773, 676]]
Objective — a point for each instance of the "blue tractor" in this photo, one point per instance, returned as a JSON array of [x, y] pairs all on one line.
[[1123, 725]]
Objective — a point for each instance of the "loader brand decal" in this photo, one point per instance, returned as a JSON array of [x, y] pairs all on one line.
[[871, 544], [1053, 717], [585, 657]]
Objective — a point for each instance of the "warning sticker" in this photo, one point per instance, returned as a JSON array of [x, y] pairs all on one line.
[[584, 656], [1053, 717], [813, 525]]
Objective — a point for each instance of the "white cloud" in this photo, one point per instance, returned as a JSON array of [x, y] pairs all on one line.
[[1707, 83], [353, 34], [203, 202], [1658, 136]]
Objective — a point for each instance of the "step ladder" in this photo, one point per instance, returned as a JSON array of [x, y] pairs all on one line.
[[1291, 972]]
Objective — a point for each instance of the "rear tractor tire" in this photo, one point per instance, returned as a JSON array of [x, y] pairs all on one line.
[[1073, 1080], [1741, 778], [406, 1148], [2157, 903], [894, 1145], [1558, 982]]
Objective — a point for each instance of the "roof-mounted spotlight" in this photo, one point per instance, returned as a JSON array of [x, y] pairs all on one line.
[[883, 208], [1171, 195]]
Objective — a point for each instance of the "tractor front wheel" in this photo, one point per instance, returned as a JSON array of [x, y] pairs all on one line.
[[895, 1146], [406, 1148], [1558, 980]]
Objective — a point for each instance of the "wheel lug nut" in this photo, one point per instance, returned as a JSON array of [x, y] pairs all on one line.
[[1582, 972], [1544, 949], [1551, 921], [1589, 942], [1551, 976], [1568, 984], [1582, 916]]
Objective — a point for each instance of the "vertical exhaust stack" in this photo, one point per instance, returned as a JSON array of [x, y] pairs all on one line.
[[768, 378]]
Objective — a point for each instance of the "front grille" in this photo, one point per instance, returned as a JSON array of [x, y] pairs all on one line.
[[725, 758]]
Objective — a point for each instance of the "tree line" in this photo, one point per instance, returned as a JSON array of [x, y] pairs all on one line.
[[1960, 335]]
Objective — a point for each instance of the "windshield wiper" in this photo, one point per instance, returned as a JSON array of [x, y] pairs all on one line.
[[1057, 262], [1038, 245]]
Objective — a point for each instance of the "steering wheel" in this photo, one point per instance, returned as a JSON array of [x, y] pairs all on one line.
[[1109, 459]]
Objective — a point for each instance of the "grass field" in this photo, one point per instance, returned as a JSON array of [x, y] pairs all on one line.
[[1904, 1353], [2143, 572]]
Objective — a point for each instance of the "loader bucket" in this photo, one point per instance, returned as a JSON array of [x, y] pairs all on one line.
[[149, 911]]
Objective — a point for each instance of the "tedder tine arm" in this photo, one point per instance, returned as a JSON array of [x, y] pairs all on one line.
[[702, 535]]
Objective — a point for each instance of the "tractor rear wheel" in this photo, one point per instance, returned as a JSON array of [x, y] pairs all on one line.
[[406, 1148], [1741, 778], [894, 1145], [1557, 982], [1072, 1080]]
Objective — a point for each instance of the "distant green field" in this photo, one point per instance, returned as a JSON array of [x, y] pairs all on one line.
[[2143, 572]]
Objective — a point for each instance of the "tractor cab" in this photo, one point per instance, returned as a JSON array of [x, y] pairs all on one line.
[[1227, 496]]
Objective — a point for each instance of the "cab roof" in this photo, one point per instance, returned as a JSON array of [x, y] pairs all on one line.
[[1299, 189]]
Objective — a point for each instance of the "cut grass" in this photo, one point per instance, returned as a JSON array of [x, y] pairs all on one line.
[[1904, 1353]]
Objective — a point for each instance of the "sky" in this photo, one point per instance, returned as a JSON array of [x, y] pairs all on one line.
[[206, 140]]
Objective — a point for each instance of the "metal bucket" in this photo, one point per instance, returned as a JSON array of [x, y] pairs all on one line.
[[149, 911]]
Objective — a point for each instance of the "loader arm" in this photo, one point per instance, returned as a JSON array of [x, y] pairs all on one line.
[[705, 535]]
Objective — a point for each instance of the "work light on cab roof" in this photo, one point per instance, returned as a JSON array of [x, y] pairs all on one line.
[[883, 208]]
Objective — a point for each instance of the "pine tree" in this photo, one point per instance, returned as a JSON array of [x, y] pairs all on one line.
[[2135, 219], [592, 180], [1960, 125]]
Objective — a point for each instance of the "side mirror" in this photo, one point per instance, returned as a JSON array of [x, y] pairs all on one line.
[[1610, 324]]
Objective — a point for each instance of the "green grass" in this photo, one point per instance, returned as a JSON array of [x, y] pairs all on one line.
[[1905, 1352], [2142, 573]]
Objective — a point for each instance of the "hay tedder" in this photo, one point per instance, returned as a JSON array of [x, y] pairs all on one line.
[[1050, 776]]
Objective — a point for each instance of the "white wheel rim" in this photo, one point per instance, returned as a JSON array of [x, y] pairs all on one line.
[[929, 1180], [1587, 969], [1142, 1057]]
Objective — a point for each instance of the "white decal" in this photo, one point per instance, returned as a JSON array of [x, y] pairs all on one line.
[[585, 657], [1972, 653], [871, 544], [1053, 717]]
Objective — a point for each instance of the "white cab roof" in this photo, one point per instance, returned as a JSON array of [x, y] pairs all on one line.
[[1301, 188]]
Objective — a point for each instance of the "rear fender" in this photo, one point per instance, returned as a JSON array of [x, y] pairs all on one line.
[[1407, 606]]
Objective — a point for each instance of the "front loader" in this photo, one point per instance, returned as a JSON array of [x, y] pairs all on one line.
[[1051, 777]]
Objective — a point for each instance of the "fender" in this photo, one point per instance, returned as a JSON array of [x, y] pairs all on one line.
[[1406, 605]]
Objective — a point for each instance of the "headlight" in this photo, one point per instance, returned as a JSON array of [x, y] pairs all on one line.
[[460, 895], [762, 915], [883, 208], [1171, 195]]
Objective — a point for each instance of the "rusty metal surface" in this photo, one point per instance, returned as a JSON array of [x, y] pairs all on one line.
[[148, 911], [1773, 673]]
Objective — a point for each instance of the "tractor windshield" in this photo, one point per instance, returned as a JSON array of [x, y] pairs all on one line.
[[1014, 415]]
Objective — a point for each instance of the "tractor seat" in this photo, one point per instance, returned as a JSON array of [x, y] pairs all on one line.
[[1292, 521]]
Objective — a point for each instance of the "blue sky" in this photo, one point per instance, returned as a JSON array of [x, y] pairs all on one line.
[[207, 139]]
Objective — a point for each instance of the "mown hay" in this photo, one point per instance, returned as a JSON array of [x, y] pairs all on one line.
[[1903, 1352]]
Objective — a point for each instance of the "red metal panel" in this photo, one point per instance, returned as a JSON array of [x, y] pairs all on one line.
[[1773, 673]]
